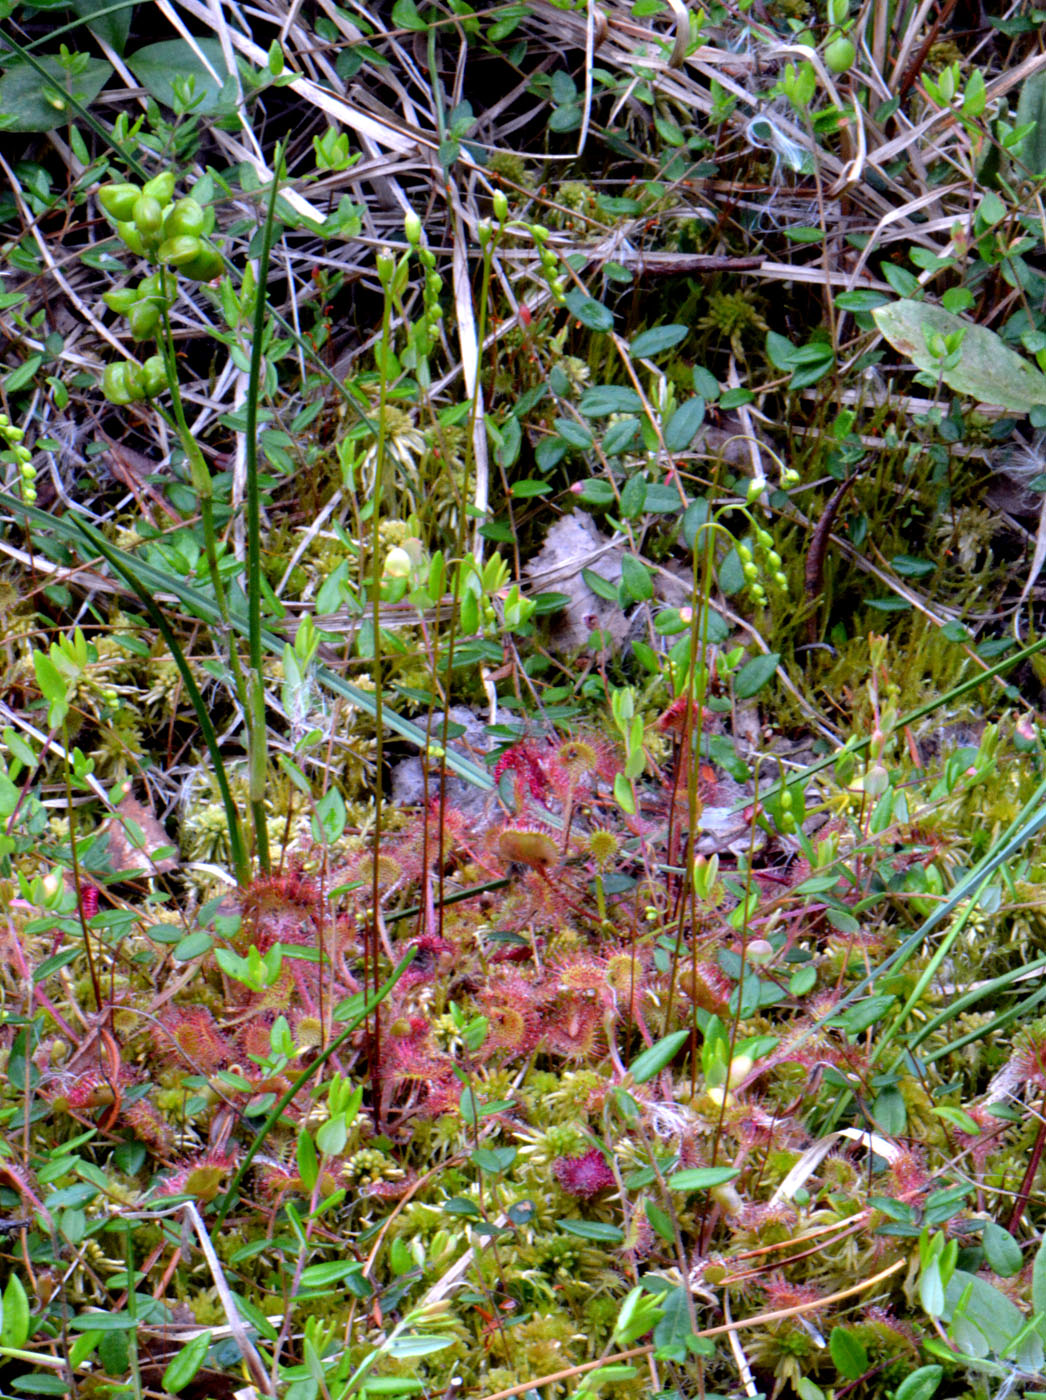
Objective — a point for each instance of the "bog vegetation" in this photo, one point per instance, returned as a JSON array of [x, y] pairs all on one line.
[[521, 764]]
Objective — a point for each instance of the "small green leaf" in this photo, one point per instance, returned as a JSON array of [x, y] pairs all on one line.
[[1001, 1250], [635, 578], [416, 1344], [701, 1178], [683, 425], [588, 311], [848, 1353], [14, 1331], [405, 16], [656, 340], [889, 1112], [910, 567], [604, 399], [576, 434], [494, 1159], [753, 676], [661, 1221], [921, 1384], [598, 494], [633, 496], [600, 586], [654, 1059], [193, 945], [186, 1364], [596, 1230]]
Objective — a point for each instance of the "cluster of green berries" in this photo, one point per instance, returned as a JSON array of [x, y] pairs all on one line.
[[549, 263], [171, 233], [428, 328], [27, 472], [771, 563], [538, 232]]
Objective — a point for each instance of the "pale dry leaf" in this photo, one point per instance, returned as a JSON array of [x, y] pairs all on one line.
[[124, 855]]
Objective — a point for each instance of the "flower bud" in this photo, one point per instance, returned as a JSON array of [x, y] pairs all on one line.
[[412, 228], [386, 266], [398, 563], [500, 204]]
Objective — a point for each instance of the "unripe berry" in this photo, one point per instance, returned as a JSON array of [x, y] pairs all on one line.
[[840, 54]]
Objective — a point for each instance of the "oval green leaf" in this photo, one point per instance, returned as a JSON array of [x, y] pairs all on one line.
[[652, 1060], [988, 370], [604, 399], [701, 1178], [159, 66], [588, 311], [32, 103], [683, 425], [752, 677], [656, 340], [185, 1365]]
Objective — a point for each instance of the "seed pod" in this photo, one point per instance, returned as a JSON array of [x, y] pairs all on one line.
[[130, 235], [120, 299], [840, 54], [151, 286], [177, 252], [118, 201], [161, 187], [206, 266], [154, 375], [114, 384], [142, 320], [184, 218], [148, 216]]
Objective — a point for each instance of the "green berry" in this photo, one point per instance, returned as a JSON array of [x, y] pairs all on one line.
[[840, 54]]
